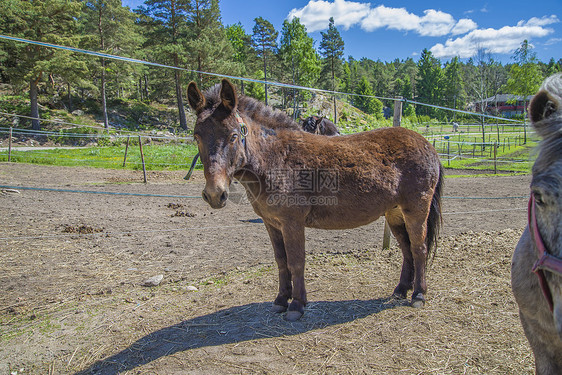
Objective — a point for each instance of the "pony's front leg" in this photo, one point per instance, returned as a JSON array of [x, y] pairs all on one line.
[[285, 287], [293, 237]]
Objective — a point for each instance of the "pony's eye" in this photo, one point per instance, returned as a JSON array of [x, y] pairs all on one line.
[[233, 138], [538, 198]]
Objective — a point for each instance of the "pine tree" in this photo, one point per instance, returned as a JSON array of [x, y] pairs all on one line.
[[240, 42], [264, 40], [524, 76], [110, 29], [364, 100], [208, 48], [52, 21], [298, 56], [166, 30], [429, 82], [453, 91], [332, 47]]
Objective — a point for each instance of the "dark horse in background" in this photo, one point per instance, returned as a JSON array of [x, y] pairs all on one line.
[[295, 179], [319, 125], [540, 248]]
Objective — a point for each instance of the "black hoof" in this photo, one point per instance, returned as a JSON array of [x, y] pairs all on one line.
[[418, 301], [293, 316], [399, 293], [278, 308], [295, 312]]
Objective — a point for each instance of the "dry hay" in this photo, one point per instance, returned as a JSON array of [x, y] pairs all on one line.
[[469, 325]]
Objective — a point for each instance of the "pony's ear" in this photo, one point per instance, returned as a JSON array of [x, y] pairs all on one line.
[[542, 106], [195, 97], [228, 95]]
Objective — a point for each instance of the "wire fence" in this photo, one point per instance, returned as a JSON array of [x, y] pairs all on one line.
[[479, 144]]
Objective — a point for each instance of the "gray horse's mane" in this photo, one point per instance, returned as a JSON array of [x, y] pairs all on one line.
[[550, 127]]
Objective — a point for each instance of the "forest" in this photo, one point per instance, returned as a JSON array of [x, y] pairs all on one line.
[[190, 35]]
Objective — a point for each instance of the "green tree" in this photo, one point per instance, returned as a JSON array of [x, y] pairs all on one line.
[[404, 89], [524, 76], [453, 90], [166, 32], [264, 39], [240, 42], [364, 100], [254, 89], [331, 48], [110, 29], [208, 48], [429, 83], [350, 76], [50, 21], [298, 56], [552, 67]]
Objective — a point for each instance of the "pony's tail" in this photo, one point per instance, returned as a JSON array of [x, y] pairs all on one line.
[[434, 219]]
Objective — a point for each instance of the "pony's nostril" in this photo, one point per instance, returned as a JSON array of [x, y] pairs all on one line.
[[224, 196], [205, 197]]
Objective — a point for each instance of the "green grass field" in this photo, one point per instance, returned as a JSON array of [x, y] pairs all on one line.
[[157, 157], [462, 150]]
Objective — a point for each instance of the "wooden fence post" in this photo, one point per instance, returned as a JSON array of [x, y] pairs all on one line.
[[495, 158], [386, 236], [142, 159], [126, 149], [396, 121], [10, 145], [397, 118]]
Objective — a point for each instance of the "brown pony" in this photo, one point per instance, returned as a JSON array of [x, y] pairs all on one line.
[[319, 125], [295, 179], [540, 248]]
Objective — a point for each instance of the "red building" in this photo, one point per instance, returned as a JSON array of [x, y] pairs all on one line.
[[506, 105]]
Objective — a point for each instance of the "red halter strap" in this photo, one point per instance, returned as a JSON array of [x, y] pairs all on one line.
[[546, 261]]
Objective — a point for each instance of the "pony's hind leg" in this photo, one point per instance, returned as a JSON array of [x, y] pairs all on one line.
[[397, 226], [281, 302], [417, 228]]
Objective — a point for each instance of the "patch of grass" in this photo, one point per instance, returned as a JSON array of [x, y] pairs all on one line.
[[161, 157]]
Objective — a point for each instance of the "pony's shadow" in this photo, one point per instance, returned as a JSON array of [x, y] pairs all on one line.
[[236, 324]]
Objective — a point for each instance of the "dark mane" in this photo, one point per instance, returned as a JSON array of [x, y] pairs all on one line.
[[550, 127], [264, 115]]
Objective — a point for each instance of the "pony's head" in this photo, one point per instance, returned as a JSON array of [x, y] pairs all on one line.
[[545, 111], [220, 134], [311, 124]]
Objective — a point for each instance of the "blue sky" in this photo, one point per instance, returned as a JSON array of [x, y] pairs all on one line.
[[400, 29]]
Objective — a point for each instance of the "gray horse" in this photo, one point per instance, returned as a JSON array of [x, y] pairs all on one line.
[[539, 250]]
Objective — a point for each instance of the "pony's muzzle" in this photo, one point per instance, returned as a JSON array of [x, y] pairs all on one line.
[[215, 197]]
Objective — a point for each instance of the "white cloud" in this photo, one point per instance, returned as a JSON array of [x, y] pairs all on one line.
[[552, 41], [543, 21], [463, 26], [316, 13], [436, 23], [503, 40], [392, 18], [465, 39]]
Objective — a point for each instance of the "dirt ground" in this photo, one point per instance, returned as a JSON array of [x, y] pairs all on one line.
[[73, 299]]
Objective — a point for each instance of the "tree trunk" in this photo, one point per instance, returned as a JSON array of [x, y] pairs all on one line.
[[334, 89], [145, 87], [265, 75], [69, 98], [33, 92], [103, 99], [181, 110]]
